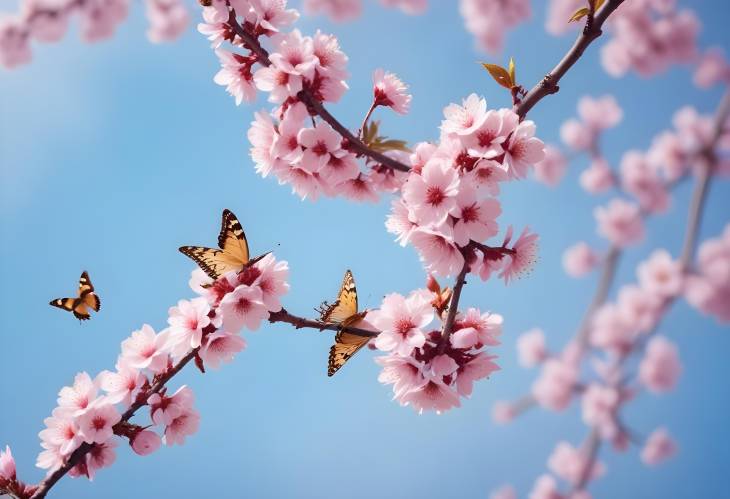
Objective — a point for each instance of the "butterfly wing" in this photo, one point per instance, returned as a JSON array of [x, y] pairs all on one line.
[[232, 239], [233, 252], [86, 293], [346, 304], [346, 345], [73, 305]]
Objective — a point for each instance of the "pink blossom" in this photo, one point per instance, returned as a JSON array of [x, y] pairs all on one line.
[[404, 373], [620, 222], [503, 412], [638, 307], [531, 348], [73, 400], [236, 76], [568, 463], [181, 426], [545, 487], [660, 368], [433, 394], [95, 424], [390, 91], [579, 259], [243, 308], [523, 149], [486, 176], [294, 54], [360, 189], [221, 347], [660, 274], [337, 10], [146, 350], [262, 135], [432, 194], [669, 155], [551, 168], [61, 433], [712, 68], [99, 18], [187, 321], [597, 178], [412, 7], [401, 321], [611, 330], [145, 442], [322, 143], [488, 20], [641, 180], [305, 184], [600, 404], [559, 11], [553, 389], [476, 218], [278, 83], [504, 492], [399, 222], [577, 135], [214, 27], [481, 366], [464, 119], [46, 20], [486, 141], [168, 20], [7, 464], [272, 15], [122, 386], [164, 409], [272, 281], [600, 113], [488, 326], [438, 251], [101, 455], [331, 61], [658, 447], [523, 256]]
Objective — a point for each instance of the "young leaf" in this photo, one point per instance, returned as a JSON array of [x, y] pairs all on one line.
[[500, 75], [597, 4], [511, 70], [579, 14]]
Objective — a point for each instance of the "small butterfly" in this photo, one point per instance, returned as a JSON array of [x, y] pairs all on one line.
[[232, 255], [86, 300], [344, 313]]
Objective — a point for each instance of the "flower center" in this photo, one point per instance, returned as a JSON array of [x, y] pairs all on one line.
[[320, 148], [98, 423], [434, 196], [470, 213], [403, 326]]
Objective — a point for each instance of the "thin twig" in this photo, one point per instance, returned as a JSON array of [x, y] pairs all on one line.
[[549, 84], [301, 322], [453, 307]]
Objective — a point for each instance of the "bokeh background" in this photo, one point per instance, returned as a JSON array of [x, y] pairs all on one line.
[[113, 155]]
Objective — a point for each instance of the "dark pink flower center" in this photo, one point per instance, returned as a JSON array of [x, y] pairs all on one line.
[[282, 78], [485, 138], [98, 423], [192, 323], [470, 213], [243, 305], [148, 351], [292, 143], [434, 196], [403, 326], [320, 148]]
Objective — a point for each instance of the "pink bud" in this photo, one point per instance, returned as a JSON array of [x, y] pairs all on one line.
[[145, 442], [7, 464]]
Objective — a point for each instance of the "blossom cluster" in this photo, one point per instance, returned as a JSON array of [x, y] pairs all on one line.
[[348, 10], [708, 287], [94, 411], [489, 20], [648, 37], [448, 203], [47, 21], [426, 371]]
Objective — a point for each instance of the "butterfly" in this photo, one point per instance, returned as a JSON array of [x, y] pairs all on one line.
[[232, 255], [344, 313], [86, 300]]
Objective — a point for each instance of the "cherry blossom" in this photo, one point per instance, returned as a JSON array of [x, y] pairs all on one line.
[[620, 222], [579, 259], [389, 91], [659, 447], [660, 368], [146, 349], [531, 348], [145, 442]]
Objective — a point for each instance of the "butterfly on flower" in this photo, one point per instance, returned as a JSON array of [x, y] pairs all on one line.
[[233, 254], [86, 300], [343, 312]]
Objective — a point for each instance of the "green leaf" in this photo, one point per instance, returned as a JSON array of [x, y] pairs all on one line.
[[379, 143], [500, 75], [511, 70], [579, 14]]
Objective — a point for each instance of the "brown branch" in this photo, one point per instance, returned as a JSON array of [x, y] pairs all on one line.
[[549, 84], [300, 322], [77, 455], [453, 307], [313, 104], [605, 282]]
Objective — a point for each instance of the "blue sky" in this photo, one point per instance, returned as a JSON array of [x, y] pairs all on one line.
[[113, 155]]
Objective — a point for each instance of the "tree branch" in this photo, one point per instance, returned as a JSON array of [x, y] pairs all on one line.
[[77, 455], [453, 307], [314, 104], [549, 84], [300, 322]]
